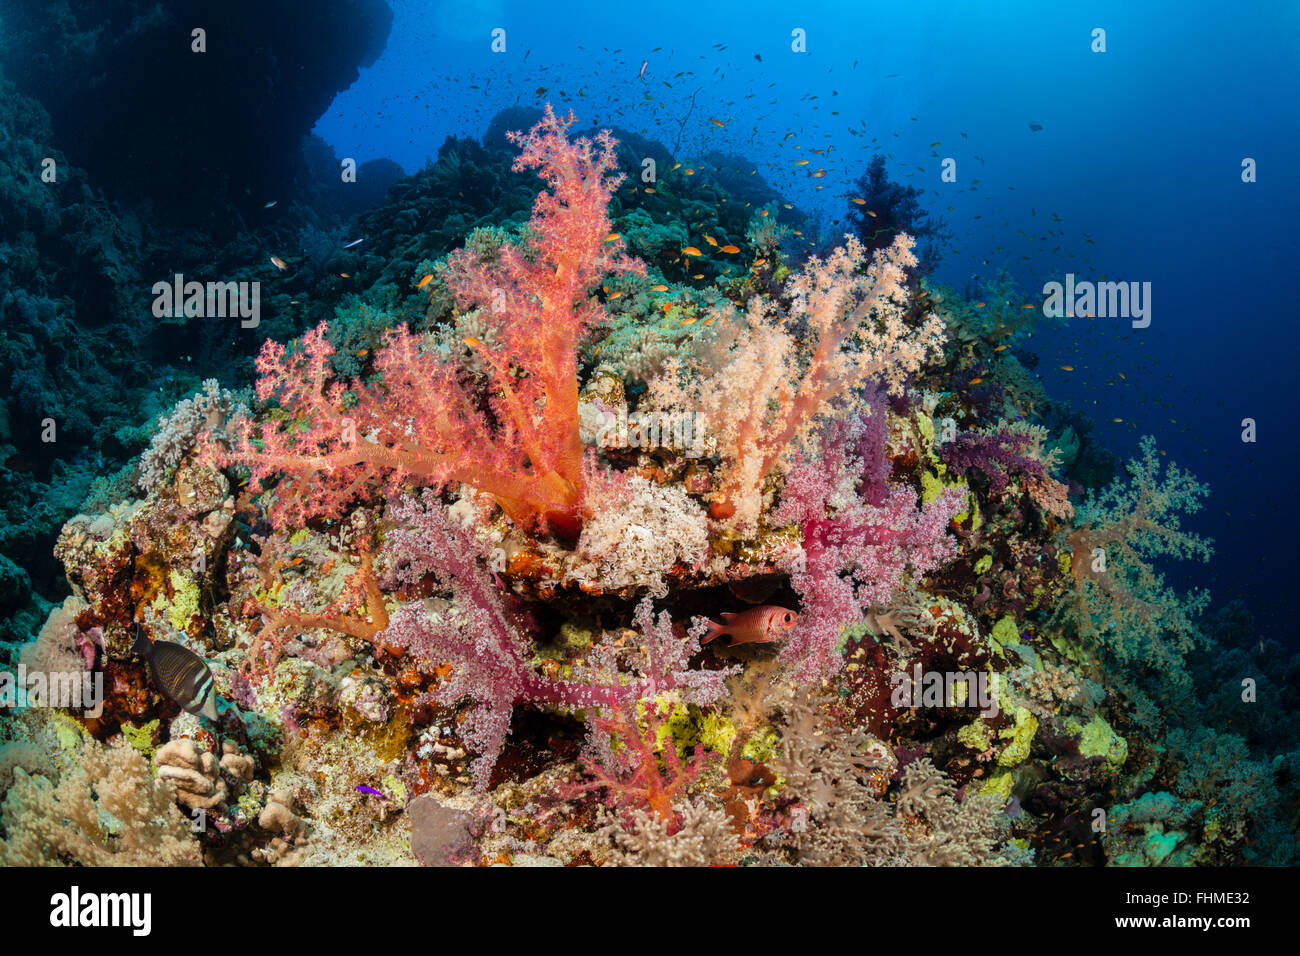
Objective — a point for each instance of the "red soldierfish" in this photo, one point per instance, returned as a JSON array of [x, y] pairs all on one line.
[[758, 625]]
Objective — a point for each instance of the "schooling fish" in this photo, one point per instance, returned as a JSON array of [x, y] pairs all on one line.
[[758, 625], [180, 673]]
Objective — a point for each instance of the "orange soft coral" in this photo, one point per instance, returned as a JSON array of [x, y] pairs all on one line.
[[423, 420]]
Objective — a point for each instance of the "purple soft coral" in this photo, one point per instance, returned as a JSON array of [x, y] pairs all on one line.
[[997, 454], [488, 650]]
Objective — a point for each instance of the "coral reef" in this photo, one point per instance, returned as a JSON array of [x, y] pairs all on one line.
[[452, 566]]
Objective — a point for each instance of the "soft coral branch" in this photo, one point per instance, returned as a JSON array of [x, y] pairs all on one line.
[[845, 329], [489, 652], [1120, 596], [422, 420], [358, 611], [856, 556], [636, 768]]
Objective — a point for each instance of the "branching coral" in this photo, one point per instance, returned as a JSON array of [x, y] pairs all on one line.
[[884, 208], [1011, 452], [210, 412], [855, 558], [358, 611], [629, 770], [845, 327], [636, 540], [947, 832], [422, 420], [1120, 598], [488, 651], [109, 811], [837, 778], [702, 836]]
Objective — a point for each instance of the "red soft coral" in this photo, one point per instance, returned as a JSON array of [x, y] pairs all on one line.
[[641, 772], [422, 420]]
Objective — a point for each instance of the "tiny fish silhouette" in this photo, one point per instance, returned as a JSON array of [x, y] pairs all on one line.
[[758, 625], [180, 673]]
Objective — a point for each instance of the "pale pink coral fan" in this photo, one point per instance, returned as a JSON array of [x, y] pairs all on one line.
[[846, 328]]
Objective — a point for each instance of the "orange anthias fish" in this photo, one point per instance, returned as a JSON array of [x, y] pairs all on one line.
[[758, 625]]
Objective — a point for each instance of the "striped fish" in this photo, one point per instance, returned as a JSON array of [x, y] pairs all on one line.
[[180, 673]]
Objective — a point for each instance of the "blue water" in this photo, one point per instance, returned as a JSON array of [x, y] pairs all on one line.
[[1139, 155]]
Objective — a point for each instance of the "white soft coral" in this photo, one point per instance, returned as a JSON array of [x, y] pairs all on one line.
[[637, 543]]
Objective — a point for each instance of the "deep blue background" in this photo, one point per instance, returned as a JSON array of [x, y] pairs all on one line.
[[1140, 152]]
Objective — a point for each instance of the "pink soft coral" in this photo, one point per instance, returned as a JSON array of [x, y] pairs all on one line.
[[422, 420], [849, 325], [856, 556], [638, 765]]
